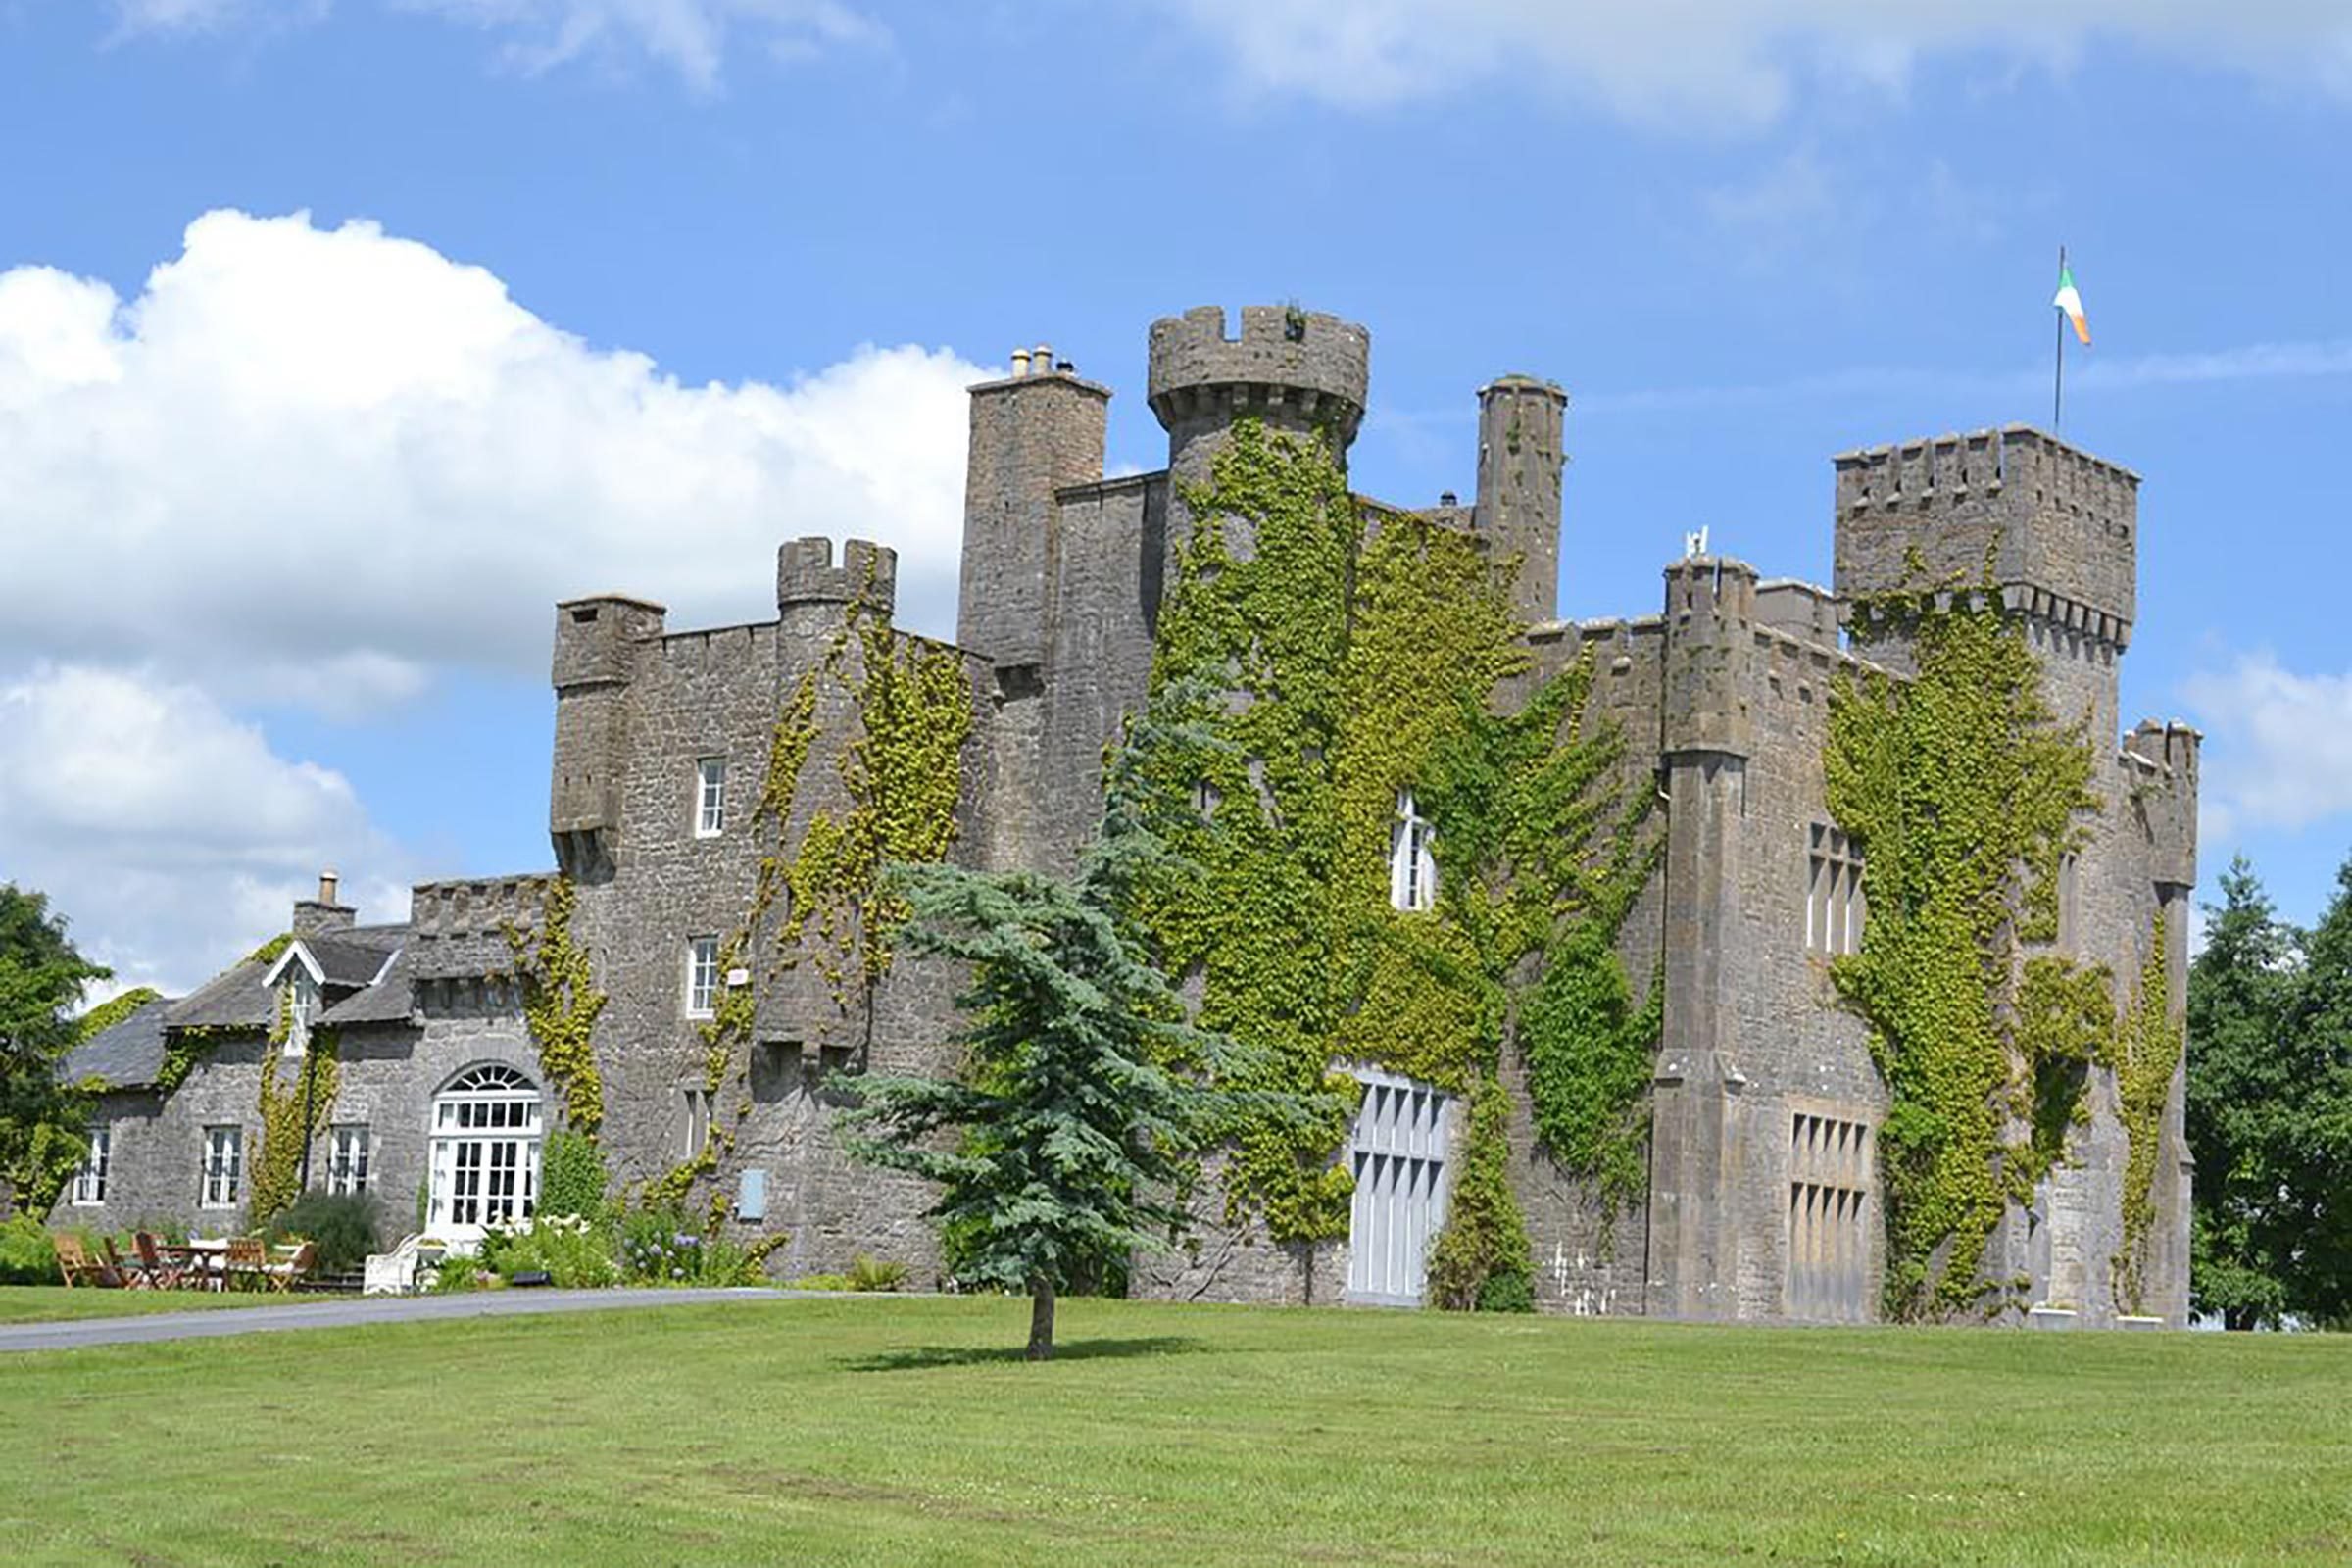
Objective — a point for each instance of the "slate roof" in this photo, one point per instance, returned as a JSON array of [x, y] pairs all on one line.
[[233, 999], [344, 961], [388, 1000], [127, 1055]]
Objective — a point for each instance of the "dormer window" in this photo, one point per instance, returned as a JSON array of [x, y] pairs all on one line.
[[1412, 869], [301, 1006]]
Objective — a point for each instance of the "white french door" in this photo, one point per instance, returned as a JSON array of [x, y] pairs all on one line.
[[486, 1128]]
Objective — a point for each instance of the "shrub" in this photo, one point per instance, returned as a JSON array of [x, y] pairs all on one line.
[[345, 1225], [661, 1247], [1507, 1291], [871, 1274], [572, 1176], [572, 1252], [454, 1275], [26, 1255]]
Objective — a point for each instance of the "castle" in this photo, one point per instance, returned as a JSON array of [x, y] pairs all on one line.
[[713, 790]]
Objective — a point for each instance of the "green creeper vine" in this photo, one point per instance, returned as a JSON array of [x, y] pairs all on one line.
[[112, 1012], [1363, 657], [2148, 1044], [902, 776], [560, 1007], [291, 1117], [1964, 793]]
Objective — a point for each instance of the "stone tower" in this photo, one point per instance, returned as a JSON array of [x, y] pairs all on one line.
[[1035, 433], [1303, 372], [1520, 422], [2056, 528], [599, 643]]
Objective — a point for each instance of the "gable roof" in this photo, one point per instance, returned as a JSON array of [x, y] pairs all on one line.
[[128, 1054], [388, 1000], [334, 960]]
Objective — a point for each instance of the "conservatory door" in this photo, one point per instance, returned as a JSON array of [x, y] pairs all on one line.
[[485, 1153], [1397, 1154]]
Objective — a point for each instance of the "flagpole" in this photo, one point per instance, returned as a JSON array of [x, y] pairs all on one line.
[[2058, 386]]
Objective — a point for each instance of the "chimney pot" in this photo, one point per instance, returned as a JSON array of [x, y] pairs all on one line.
[[326, 886], [1041, 360], [1020, 362]]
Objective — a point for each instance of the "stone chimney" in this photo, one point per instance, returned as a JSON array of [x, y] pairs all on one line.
[[321, 914]]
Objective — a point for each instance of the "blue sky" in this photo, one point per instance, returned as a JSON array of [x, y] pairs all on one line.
[[464, 305]]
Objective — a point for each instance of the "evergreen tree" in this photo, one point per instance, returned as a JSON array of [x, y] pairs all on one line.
[[2316, 1109], [2241, 992], [41, 980], [1085, 1092]]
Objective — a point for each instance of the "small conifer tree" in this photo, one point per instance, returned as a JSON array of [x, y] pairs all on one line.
[[1084, 1091]]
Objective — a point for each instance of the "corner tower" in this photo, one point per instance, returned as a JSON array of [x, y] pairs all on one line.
[[1034, 432], [1302, 373], [2057, 529]]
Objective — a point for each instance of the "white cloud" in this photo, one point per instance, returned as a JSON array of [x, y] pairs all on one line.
[[1729, 62], [165, 829], [2278, 746], [690, 36], [315, 465]]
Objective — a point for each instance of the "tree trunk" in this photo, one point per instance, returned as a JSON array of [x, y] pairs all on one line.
[[1040, 1320]]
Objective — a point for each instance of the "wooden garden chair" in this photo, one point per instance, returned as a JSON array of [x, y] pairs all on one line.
[[294, 1267], [74, 1261], [162, 1272], [129, 1276], [248, 1260]]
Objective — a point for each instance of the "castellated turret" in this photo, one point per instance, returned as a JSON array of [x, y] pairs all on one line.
[[1520, 428], [1300, 373], [2056, 528], [601, 643], [806, 576]]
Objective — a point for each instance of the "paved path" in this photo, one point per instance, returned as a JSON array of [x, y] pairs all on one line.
[[355, 1311]]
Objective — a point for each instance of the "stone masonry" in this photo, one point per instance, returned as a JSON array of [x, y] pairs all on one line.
[[1763, 1193]]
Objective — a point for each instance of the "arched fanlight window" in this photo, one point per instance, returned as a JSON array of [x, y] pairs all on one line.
[[1412, 869], [486, 1127]]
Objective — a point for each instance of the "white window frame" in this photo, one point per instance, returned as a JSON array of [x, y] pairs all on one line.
[[709, 797], [1412, 867], [222, 1172], [349, 1149], [483, 1161], [89, 1182], [702, 977], [302, 1008]]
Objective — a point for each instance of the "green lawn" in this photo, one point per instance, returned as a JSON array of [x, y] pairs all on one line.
[[813, 1431], [40, 1304]]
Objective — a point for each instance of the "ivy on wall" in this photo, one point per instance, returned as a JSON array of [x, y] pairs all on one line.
[[291, 1116], [1325, 661], [1964, 793], [902, 776], [2148, 1044], [560, 1007]]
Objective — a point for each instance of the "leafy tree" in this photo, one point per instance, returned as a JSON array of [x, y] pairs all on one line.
[[2241, 1110], [2317, 1096], [41, 979], [1086, 1091]]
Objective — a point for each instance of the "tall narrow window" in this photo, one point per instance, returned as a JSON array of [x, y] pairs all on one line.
[[693, 1127], [709, 797], [302, 1005], [1412, 869], [224, 1166], [702, 977], [1833, 893], [89, 1182], [347, 1158]]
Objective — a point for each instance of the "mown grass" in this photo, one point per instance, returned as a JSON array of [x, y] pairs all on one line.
[[42, 1303], [814, 1432]]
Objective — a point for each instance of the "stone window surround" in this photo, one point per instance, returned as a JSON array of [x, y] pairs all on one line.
[[709, 797], [702, 976], [89, 1181], [222, 1174], [1834, 910], [349, 1146]]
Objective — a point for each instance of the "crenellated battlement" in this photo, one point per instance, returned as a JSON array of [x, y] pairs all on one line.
[[598, 638], [2037, 513], [2167, 800], [1301, 367], [457, 929], [806, 575]]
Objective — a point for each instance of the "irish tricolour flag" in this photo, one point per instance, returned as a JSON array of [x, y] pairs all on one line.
[[2071, 302]]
